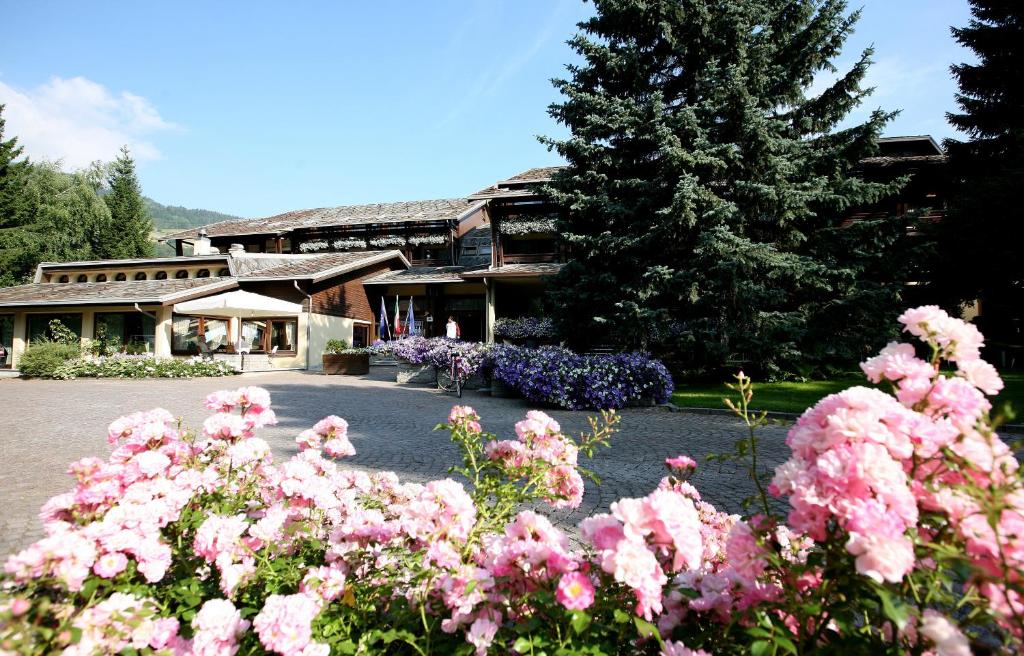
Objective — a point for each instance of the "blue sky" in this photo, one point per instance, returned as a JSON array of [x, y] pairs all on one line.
[[255, 108]]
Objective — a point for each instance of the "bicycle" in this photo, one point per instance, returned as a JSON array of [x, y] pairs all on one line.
[[454, 382]]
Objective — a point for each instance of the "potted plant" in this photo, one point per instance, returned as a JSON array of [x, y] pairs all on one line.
[[339, 358], [414, 363]]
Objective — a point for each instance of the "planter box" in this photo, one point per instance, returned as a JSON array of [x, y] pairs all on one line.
[[351, 365], [415, 374]]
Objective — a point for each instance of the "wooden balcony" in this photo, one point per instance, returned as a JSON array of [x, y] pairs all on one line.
[[529, 258]]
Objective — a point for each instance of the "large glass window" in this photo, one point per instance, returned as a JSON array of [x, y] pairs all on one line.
[[254, 335], [198, 335], [283, 335], [271, 335], [132, 332], [39, 324], [6, 339]]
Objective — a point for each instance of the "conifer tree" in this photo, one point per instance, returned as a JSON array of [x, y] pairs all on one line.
[[12, 179], [979, 240], [706, 185], [14, 202], [130, 224]]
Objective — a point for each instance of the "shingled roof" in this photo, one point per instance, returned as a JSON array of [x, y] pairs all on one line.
[[516, 270], [420, 275], [112, 293], [349, 215], [327, 265], [518, 186]]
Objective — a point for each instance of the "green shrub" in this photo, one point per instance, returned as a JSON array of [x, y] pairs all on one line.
[[136, 366], [43, 358], [335, 346]]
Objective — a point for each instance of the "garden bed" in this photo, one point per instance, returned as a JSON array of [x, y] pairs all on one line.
[[348, 364]]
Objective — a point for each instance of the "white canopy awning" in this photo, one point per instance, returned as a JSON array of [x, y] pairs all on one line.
[[238, 303]]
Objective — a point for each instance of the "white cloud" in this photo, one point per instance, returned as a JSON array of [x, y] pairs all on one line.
[[77, 121]]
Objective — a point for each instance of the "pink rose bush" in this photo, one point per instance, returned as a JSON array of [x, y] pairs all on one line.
[[903, 532]]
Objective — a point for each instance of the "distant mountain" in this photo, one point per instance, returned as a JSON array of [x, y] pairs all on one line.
[[171, 218]]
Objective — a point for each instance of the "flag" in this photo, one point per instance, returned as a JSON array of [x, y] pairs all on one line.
[[410, 319], [383, 329], [398, 318]]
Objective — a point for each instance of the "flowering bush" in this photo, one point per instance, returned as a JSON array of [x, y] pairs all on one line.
[[380, 348], [557, 376], [525, 328], [439, 352], [905, 535], [188, 543], [141, 366]]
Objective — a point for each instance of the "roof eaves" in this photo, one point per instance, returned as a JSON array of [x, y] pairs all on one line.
[[359, 264], [196, 292], [475, 207]]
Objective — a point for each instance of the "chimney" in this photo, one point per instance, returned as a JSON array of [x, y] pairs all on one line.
[[202, 245], [236, 250]]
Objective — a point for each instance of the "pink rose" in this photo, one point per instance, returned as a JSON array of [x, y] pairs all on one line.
[[575, 591]]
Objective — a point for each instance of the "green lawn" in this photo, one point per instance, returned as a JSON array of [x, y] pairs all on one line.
[[797, 397]]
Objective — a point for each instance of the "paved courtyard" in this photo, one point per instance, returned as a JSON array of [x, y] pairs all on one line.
[[47, 424]]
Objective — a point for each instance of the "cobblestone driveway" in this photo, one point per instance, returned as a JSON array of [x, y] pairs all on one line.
[[47, 424]]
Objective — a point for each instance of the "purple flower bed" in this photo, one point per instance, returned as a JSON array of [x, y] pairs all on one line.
[[557, 376], [525, 328], [439, 351]]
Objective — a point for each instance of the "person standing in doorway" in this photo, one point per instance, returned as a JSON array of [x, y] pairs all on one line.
[[452, 329]]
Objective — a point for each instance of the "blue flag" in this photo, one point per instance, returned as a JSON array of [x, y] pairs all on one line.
[[410, 320], [383, 328]]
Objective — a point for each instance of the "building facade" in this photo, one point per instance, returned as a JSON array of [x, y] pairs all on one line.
[[476, 259]]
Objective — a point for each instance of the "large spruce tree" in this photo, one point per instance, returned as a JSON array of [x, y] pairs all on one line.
[[981, 237], [707, 180], [131, 226], [12, 179]]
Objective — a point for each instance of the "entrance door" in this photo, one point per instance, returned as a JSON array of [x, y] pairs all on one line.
[[6, 340]]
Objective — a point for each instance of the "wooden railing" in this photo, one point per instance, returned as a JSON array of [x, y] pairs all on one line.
[[529, 258]]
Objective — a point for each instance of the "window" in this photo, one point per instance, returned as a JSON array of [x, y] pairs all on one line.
[[141, 275], [64, 279], [254, 335], [191, 335], [82, 278], [132, 332], [203, 273], [180, 274], [223, 273], [39, 324], [102, 277], [271, 335], [160, 275], [121, 276]]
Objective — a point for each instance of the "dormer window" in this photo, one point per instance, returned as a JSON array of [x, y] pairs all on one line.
[[160, 275], [64, 279], [203, 273], [224, 273], [121, 277], [82, 278], [181, 274], [141, 275], [102, 277]]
